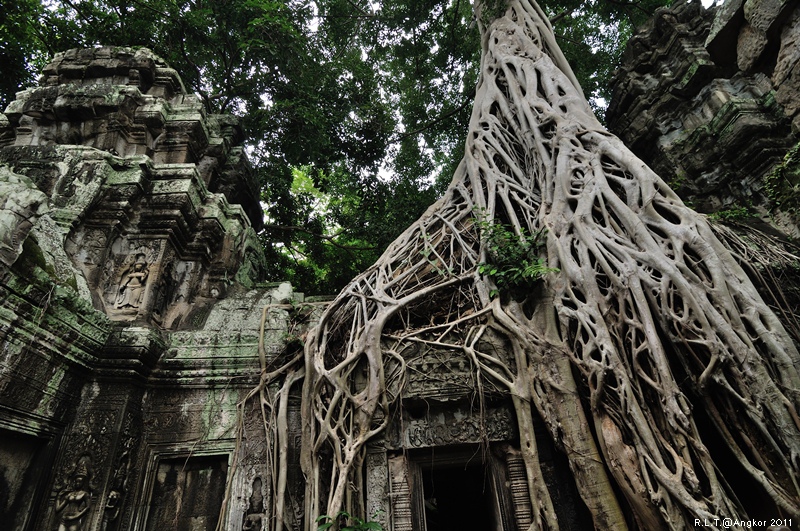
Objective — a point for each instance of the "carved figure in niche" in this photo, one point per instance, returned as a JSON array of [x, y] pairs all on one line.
[[132, 284], [164, 292], [74, 500], [118, 488], [254, 517]]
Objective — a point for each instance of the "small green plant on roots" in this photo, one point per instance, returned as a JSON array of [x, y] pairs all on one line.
[[514, 263], [355, 524]]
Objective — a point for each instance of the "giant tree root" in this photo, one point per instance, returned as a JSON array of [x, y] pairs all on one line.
[[648, 323]]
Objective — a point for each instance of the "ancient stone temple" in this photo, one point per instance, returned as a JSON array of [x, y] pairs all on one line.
[[135, 329], [709, 99]]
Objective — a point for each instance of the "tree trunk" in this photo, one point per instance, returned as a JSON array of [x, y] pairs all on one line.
[[647, 323]]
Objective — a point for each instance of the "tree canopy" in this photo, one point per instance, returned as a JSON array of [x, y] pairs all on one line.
[[367, 101]]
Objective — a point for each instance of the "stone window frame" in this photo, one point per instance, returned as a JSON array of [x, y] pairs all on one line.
[[156, 453], [51, 436]]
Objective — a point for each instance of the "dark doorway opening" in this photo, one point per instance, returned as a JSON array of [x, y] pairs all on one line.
[[457, 498]]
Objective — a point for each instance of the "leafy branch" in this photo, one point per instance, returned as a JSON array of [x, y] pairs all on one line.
[[330, 238], [514, 263], [325, 522]]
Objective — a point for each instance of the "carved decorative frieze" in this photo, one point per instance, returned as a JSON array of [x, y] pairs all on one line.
[[439, 374], [452, 426]]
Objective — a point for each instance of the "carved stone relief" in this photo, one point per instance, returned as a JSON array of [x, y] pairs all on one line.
[[295, 472], [252, 454], [187, 493], [378, 490], [129, 272], [438, 374], [452, 426], [74, 500], [119, 484], [255, 515], [447, 375], [155, 247], [132, 283], [175, 290]]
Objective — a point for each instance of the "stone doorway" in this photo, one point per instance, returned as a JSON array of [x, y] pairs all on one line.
[[460, 488], [458, 498]]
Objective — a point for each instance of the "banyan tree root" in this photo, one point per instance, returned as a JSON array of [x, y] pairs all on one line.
[[648, 354]]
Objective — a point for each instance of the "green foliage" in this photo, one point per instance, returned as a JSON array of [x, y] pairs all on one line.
[[371, 100], [430, 51], [593, 34], [346, 224], [782, 185], [355, 523], [21, 55], [514, 265], [731, 214]]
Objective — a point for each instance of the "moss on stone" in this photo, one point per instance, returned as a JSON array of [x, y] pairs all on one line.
[[782, 185]]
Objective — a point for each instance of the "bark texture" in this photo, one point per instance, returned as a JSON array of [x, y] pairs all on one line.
[[647, 354]]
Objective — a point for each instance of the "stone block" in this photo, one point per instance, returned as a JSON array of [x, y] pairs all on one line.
[[750, 46], [786, 75], [724, 31], [21, 204], [766, 15]]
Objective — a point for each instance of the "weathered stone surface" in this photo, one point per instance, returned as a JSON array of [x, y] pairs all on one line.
[[452, 426], [21, 204], [728, 146], [766, 15], [133, 319], [786, 76], [789, 53], [716, 141], [753, 28], [725, 30], [750, 45]]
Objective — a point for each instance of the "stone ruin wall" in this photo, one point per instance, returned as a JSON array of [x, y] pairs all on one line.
[[710, 99], [130, 308]]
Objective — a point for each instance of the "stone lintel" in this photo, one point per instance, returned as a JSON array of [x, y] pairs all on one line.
[[132, 349]]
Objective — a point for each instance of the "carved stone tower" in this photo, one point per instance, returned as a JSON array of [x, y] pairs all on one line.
[[130, 316]]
